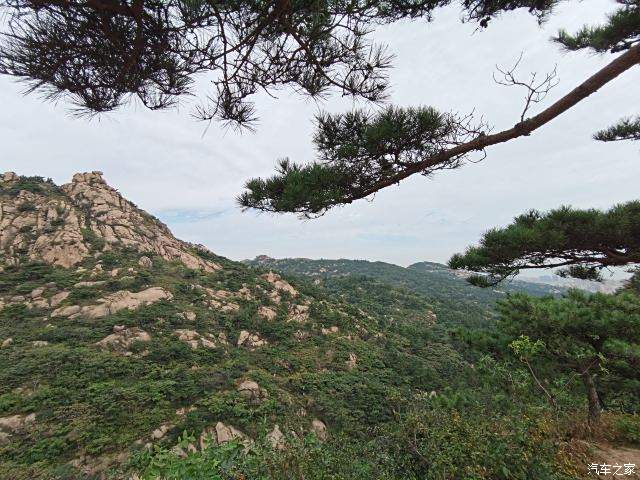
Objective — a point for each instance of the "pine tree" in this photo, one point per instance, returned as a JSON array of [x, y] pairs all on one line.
[[360, 153], [580, 242], [580, 334], [101, 53]]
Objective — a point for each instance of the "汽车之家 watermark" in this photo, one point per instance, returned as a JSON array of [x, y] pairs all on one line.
[[614, 470]]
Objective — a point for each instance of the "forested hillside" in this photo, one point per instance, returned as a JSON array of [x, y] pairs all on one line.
[[127, 353], [431, 280]]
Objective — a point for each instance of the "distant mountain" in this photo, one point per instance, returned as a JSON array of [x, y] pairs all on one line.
[[433, 280], [606, 286], [398, 292]]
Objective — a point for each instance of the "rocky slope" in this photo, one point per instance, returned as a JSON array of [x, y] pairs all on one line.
[[57, 225], [126, 353], [115, 336]]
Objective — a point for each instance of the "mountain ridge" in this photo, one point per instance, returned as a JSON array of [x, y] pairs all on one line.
[[427, 278], [57, 224], [116, 337]]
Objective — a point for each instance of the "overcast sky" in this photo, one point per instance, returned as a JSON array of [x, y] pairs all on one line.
[[167, 164]]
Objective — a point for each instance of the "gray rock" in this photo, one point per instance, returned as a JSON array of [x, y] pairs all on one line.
[[320, 429], [276, 438], [145, 262], [252, 392]]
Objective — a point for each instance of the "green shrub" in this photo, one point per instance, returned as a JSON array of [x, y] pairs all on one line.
[[80, 294], [26, 207], [628, 428], [96, 243]]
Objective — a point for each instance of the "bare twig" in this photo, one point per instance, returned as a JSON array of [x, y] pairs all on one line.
[[619, 65], [551, 398], [537, 90]]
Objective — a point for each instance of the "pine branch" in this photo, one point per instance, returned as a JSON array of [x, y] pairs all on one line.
[[625, 129], [99, 54], [585, 241], [619, 33], [353, 173]]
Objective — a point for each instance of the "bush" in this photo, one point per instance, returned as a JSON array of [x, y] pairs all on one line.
[[443, 444], [80, 294], [27, 207], [33, 184], [305, 458], [628, 428], [96, 243]]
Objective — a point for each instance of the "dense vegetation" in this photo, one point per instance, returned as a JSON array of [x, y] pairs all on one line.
[[413, 372], [98, 403], [487, 420], [594, 338]]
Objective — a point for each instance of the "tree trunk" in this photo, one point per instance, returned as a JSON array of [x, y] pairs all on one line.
[[594, 399]]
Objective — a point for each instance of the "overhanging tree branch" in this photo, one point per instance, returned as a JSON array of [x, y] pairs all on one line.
[[102, 53], [585, 241], [339, 181]]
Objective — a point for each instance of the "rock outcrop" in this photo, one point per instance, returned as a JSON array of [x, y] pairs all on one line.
[[41, 297], [161, 431], [267, 313], [298, 313], [122, 338], [252, 392], [320, 429], [66, 224], [250, 340], [276, 438], [145, 262], [219, 299], [195, 340], [330, 330], [14, 424], [114, 303], [279, 285], [220, 434]]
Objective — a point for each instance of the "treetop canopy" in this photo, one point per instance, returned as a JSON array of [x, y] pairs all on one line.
[[581, 242]]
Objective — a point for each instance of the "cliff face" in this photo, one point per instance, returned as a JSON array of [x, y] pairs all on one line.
[[64, 225]]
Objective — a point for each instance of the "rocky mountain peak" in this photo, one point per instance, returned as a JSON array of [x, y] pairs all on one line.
[[263, 259], [62, 225], [9, 177]]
